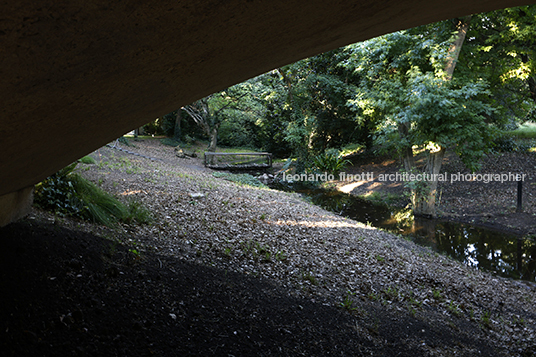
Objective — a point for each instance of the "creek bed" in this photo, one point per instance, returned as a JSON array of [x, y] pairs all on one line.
[[498, 252]]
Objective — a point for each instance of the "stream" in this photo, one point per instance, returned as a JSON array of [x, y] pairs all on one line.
[[500, 253]]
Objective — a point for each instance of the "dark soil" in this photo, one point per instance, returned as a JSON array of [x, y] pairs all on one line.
[[70, 293]]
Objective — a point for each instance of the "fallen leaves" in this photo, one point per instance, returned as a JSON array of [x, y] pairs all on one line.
[[278, 236]]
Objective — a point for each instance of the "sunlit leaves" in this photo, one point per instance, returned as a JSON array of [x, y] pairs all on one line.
[[402, 78]]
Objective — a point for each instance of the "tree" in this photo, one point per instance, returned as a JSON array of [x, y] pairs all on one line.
[[207, 118], [209, 112], [307, 107], [501, 46], [407, 78]]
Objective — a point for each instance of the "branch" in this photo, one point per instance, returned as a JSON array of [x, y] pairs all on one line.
[[197, 117], [229, 104]]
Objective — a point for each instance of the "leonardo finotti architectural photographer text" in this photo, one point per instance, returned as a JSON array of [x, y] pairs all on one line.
[[405, 177]]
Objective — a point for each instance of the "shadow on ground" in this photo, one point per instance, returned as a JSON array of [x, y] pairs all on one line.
[[72, 293]]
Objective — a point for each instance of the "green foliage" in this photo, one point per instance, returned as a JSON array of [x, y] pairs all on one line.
[[57, 193], [259, 252], [234, 110], [524, 131], [519, 140], [331, 162], [437, 294], [152, 128], [239, 129], [280, 256], [502, 49], [88, 160], [137, 212], [448, 114], [124, 141], [363, 93], [307, 276], [348, 302], [272, 130], [454, 309], [391, 292], [307, 109], [505, 144], [351, 149], [241, 179], [96, 204], [69, 194], [486, 319], [166, 126]]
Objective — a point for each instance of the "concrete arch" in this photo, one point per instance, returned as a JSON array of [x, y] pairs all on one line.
[[77, 74]]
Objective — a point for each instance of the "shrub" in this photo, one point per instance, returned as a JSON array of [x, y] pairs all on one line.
[[69, 194], [88, 160], [57, 193], [97, 205], [331, 162], [124, 140]]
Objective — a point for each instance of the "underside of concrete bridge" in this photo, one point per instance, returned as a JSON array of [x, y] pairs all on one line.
[[77, 74]]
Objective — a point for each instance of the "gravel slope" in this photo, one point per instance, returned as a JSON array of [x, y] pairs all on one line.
[[392, 296]]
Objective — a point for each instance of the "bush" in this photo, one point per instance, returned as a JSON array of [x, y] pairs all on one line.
[[57, 193], [69, 194], [331, 162], [238, 130], [137, 212], [88, 160], [97, 205]]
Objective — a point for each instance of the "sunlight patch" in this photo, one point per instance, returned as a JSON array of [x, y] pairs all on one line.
[[324, 224]]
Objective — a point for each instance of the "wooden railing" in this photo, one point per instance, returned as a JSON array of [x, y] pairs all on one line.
[[238, 160]]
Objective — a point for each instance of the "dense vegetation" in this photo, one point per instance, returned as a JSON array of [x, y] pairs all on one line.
[[461, 85], [354, 94], [454, 85]]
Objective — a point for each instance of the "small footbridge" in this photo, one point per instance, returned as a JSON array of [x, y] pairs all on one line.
[[238, 160]]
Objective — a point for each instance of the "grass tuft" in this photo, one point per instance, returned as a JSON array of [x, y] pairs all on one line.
[[69, 194], [88, 160]]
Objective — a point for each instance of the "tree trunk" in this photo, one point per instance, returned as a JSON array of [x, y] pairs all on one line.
[[213, 136], [424, 196], [177, 131], [407, 152], [462, 25], [213, 139]]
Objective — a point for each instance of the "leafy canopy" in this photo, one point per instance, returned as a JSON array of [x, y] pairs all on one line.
[[402, 80]]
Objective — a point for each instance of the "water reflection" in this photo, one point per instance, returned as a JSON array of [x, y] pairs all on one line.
[[504, 254]]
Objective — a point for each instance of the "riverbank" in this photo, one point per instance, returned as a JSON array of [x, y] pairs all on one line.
[[489, 204], [229, 269]]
